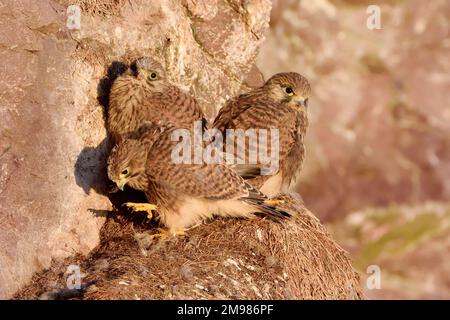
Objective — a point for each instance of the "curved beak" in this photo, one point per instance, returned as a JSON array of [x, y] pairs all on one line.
[[302, 102], [121, 184]]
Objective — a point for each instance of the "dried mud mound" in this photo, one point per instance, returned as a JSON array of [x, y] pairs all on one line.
[[223, 259]]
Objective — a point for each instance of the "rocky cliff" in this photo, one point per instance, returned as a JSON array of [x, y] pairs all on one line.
[[54, 83]]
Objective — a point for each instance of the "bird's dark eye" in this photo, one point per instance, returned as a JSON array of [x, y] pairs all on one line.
[[306, 102], [125, 172], [289, 91], [153, 75]]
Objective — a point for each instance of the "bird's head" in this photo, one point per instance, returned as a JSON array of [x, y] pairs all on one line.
[[290, 88], [126, 164], [149, 70]]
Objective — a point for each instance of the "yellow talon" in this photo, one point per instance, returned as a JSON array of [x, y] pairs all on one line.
[[147, 207], [273, 202], [166, 234]]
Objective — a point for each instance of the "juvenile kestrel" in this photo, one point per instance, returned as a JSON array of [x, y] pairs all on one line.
[[183, 194], [144, 93], [281, 103]]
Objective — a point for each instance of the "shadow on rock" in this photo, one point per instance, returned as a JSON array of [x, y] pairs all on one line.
[[104, 87], [91, 166], [91, 174]]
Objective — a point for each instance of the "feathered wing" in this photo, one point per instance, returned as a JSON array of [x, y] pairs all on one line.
[[214, 181], [211, 182], [231, 110], [131, 102], [175, 106], [255, 112]]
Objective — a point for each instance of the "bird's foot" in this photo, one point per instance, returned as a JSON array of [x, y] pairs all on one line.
[[166, 234], [274, 202], [147, 207]]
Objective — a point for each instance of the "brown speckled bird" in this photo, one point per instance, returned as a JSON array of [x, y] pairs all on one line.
[[281, 103], [183, 194], [144, 93]]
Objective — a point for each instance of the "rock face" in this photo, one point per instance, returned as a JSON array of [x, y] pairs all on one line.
[[52, 137], [379, 111]]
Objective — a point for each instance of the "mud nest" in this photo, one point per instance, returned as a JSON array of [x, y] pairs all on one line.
[[222, 259], [103, 8]]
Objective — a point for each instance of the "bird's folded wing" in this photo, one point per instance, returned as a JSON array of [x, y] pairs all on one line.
[[257, 116]]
